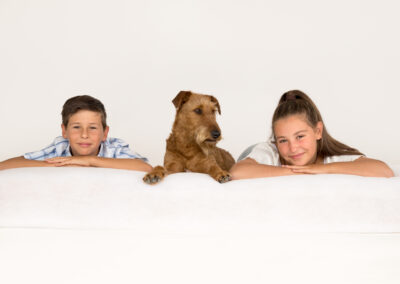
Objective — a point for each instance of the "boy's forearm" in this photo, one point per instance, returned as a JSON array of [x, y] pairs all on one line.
[[127, 164], [21, 162]]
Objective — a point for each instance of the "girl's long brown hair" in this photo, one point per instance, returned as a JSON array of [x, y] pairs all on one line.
[[296, 102]]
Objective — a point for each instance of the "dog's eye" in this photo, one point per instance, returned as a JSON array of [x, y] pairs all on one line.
[[198, 111]]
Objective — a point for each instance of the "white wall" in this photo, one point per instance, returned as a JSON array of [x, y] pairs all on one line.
[[136, 56]]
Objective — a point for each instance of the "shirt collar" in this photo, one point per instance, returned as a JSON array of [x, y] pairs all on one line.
[[102, 150]]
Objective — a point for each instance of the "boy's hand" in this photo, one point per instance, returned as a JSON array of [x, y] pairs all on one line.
[[82, 161], [99, 162]]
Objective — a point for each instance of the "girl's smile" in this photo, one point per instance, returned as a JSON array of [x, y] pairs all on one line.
[[296, 157], [296, 140]]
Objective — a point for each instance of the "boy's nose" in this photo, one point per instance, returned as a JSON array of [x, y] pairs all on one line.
[[84, 133]]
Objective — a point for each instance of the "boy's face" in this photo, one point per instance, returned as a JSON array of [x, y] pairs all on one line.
[[85, 133]]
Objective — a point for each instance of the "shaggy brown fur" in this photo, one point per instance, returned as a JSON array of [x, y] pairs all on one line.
[[192, 143]]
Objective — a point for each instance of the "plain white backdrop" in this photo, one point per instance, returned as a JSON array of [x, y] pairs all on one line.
[[135, 56]]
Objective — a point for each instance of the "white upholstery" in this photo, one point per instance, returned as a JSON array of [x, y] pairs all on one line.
[[88, 225], [80, 198]]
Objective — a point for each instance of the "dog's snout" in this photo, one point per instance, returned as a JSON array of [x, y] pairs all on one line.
[[215, 134]]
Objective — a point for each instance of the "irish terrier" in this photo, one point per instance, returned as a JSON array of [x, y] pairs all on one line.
[[192, 144]]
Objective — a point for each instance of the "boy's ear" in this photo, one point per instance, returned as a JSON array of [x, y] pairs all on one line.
[[105, 133], [64, 131]]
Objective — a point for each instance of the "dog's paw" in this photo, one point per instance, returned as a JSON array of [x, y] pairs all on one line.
[[223, 177], [152, 178], [155, 176]]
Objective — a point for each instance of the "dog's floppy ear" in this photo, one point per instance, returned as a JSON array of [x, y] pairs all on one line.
[[214, 100], [181, 98]]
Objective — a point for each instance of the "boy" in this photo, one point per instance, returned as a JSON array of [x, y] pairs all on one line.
[[83, 142]]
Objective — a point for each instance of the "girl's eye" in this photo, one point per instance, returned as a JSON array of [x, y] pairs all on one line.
[[198, 111], [282, 141]]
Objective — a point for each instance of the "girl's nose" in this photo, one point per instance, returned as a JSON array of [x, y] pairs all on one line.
[[293, 147]]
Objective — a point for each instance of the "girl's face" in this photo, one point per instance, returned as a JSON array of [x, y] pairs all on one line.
[[296, 140]]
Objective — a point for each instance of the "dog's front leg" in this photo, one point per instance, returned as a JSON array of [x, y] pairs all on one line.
[[209, 165], [155, 176], [173, 163]]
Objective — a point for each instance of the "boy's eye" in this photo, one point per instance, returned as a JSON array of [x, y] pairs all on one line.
[[198, 111], [300, 136], [76, 127], [93, 127]]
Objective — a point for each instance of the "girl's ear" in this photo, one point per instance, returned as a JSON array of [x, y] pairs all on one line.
[[318, 130], [105, 133], [64, 131]]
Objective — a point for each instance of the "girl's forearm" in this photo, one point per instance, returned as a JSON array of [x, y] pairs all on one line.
[[247, 170], [361, 167]]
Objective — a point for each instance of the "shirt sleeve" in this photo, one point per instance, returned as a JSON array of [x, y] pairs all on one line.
[[263, 153], [126, 153], [341, 158], [119, 149], [58, 148]]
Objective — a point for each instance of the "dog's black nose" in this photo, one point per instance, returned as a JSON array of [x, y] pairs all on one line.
[[215, 134]]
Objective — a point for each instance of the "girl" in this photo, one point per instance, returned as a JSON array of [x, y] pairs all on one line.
[[300, 144]]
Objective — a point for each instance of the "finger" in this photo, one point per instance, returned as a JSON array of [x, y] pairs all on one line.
[[300, 170], [56, 160], [52, 162], [65, 162], [293, 166], [57, 164], [303, 172], [296, 167]]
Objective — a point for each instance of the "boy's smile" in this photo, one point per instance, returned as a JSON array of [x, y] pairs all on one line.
[[85, 133]]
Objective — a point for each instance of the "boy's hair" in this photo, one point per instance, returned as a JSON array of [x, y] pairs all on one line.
[[296, 102], [75, 104]]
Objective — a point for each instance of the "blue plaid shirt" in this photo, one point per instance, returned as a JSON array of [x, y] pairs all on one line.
[[111, 148]]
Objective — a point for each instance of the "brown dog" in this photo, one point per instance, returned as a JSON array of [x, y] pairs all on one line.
[[192, 143]]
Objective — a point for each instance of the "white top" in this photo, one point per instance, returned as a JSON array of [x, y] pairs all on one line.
[[267, 153]]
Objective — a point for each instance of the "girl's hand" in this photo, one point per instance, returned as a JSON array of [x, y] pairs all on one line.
[[82, 161], [308, 169]]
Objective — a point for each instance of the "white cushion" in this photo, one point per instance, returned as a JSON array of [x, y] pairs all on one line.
[[194, 203]]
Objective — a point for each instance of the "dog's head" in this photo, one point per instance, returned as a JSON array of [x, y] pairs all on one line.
[[196, 113]]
